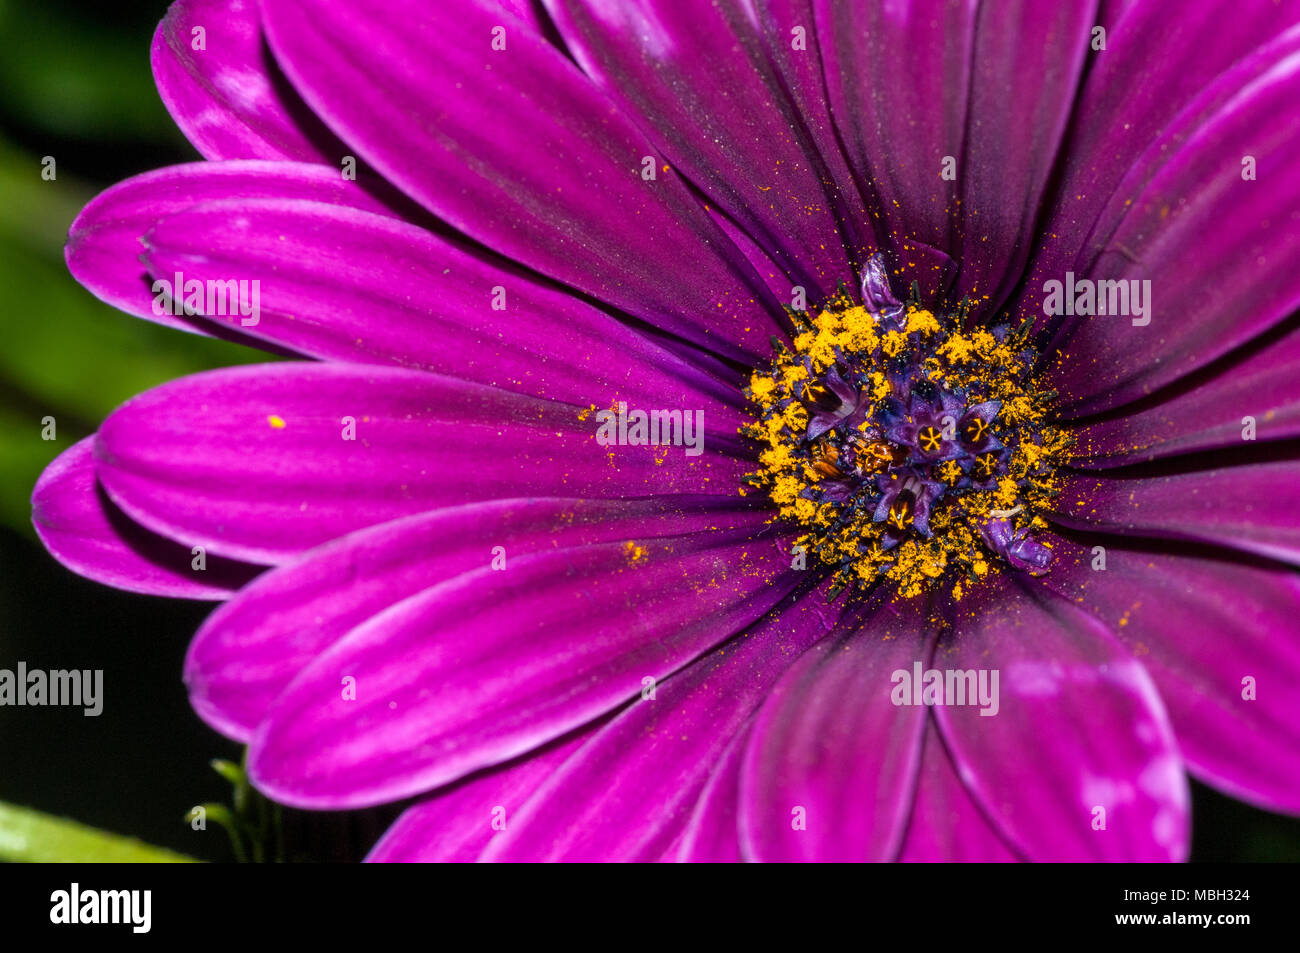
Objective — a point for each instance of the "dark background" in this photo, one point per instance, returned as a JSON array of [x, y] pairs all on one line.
[[75, 84]]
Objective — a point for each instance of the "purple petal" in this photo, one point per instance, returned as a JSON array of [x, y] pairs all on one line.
[[1205, 414], [93, 538], [946, 825], [1130, 100], [1255, 508], [897, 124], [491, 664], [550, 178], [699, 80], [900, 125], [1003, 188], [802, 77], [456, 824], [530, 11], [830, 750], [629, 793], [1079, 762], [256, 461], [1197, 216], [104, 243], [712, 834], [1202, 625], [553, 176], [345, 285], [228, 98], [248, 652]]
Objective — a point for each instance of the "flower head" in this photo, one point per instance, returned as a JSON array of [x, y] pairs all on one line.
[[897, 438], [477, 227]]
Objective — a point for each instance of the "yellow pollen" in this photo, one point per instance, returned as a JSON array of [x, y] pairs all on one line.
[[827, 486]]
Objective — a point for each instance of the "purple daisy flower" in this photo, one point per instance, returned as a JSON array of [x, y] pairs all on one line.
[[871, 246]]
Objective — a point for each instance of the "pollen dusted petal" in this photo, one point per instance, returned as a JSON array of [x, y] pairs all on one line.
[[196, 458], [517, 658], [530, 158], [1028, 58], [1217, 636], [1254, 508], [1080, 727], [652, 762], [698, 78], [1136, 110], [1255, 395], [1221, 261], [248, 652], [898, 124], [346, 285], [831, 749]]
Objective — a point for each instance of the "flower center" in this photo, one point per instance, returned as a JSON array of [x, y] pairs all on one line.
[[906, 447]]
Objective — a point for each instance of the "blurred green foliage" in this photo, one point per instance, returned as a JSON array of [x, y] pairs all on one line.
[[66, 69]]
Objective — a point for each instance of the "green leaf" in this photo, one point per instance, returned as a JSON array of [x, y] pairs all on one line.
[[28, 836]]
